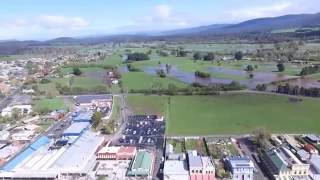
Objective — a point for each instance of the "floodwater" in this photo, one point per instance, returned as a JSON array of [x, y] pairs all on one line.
[[306, 82], [189, 77]]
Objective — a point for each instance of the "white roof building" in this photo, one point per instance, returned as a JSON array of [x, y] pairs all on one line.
[[175, 169], [22, 136], [241, 167], [24, 109]]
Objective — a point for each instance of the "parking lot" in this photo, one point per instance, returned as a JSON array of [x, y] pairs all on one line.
[[143, 131]]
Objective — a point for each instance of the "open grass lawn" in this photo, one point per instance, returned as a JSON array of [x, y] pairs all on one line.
[[69, 70], [231, 114], [83, 82], [51, 104], [141, 80], [235, 114], [140, 104], [116, 108]]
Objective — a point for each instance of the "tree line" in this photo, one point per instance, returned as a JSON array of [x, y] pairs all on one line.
[[137, 56], [193, 89], [296, 90]]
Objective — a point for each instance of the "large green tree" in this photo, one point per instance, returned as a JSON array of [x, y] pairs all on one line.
[[96, 119]]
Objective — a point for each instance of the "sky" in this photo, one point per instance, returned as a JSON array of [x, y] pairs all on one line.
[[46, 19]]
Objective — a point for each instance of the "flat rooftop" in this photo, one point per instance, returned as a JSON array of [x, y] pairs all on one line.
[[241, 162], [76, 128], [77, 157], [84, 99], [114, 169], [175, 167]]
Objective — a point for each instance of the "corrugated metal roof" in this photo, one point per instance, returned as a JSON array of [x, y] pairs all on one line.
[[78, 155], [142, 164], [76, 128], [26, 153], [83, 117]]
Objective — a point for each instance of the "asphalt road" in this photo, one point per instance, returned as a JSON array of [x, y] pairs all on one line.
[[246, 149]]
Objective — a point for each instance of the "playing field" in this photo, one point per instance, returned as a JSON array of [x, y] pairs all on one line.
[[233, 114]]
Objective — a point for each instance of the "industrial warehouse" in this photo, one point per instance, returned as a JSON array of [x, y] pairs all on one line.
[[49, 158]]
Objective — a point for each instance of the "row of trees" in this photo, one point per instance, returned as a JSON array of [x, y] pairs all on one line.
[[296, 90], [69, 90], [194, 89], [137, 56], [210, 56], [310, 70]]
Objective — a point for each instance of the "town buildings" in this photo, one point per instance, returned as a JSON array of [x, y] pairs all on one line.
[[241, 167], [281, 163]]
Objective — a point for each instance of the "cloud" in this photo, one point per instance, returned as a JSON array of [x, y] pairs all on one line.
[[48, 22], [160, 17], [58, 22], [42, 27], [163, 11], [272, 10]]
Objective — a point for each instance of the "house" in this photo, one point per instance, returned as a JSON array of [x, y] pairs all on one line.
[[28, 91], [23, 109], [313, 138], [314, 167], [4, 88], [169, 149], [31, 119], [142, 165], [309, 148], [200, 167], [31, 127], [4, 136], [241, 167], [126, 153], [281, 163], [22, 136], [94, 100]]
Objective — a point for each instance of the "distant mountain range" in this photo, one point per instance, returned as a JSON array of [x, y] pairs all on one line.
[[264, 25]]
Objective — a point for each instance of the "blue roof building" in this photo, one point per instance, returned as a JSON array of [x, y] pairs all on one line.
[[83, 117], [43, 140], [76, 129]]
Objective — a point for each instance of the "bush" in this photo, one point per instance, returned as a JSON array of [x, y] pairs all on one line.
[[161, 73], [131, 68], [209, 57], [280, 67], [202, 74], [45, 81], [76, 71], [238, 55]]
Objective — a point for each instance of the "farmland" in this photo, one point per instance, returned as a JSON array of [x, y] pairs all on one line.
[[204, 115]]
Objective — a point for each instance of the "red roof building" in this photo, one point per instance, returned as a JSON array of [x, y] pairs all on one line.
[[309, 148], [116, 153]]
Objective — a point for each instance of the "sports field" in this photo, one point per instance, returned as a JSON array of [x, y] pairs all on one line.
[[233, 114]]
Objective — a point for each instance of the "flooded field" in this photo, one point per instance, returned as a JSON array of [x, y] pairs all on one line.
[[189, 77], [306, 82]]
